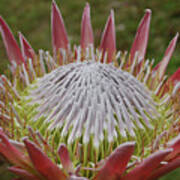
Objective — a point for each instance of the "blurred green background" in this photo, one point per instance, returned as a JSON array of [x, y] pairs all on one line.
[[32, 18]]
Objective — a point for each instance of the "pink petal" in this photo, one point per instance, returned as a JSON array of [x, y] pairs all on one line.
[[27, 50], [12, 154], [12, 49], [65, 158], [175, 145], [23, 173], [116, 162], [146, 167], [18, 145], [172, 81], [173, 159], [161, 67], [175, 77], [86, 28], [141, 39], [59, 35], [165, 169], [42, 163], [108, 41]]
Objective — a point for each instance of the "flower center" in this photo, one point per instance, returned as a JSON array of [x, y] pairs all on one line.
[[90, 98]]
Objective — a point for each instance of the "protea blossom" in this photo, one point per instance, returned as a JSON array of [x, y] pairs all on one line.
[[86, 112]]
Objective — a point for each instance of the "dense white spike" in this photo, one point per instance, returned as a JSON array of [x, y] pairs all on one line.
[[176, 88], [41, 60], [148, 72], [86, 96], [123, 60], [160, 85], [118, 55], [26, 77], [31, 68], [134, 62]]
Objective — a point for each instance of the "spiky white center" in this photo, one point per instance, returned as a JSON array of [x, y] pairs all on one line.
[[92, 97]]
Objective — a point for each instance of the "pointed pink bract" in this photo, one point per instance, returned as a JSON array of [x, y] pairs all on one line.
[[27, 50], [141, 39], [175, 77], [86, 28], [116, 162], [147, 166], [175, 145], [108, 41], [172, 81], [12, 48], [10, 152], [161, 67], [59, 35], [22, 173], [65, 158], [42, 163], [165, 169]]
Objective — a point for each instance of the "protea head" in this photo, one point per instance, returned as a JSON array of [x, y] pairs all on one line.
[[88, 112]]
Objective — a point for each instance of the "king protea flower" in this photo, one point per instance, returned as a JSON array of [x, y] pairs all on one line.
[[86, 112]]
